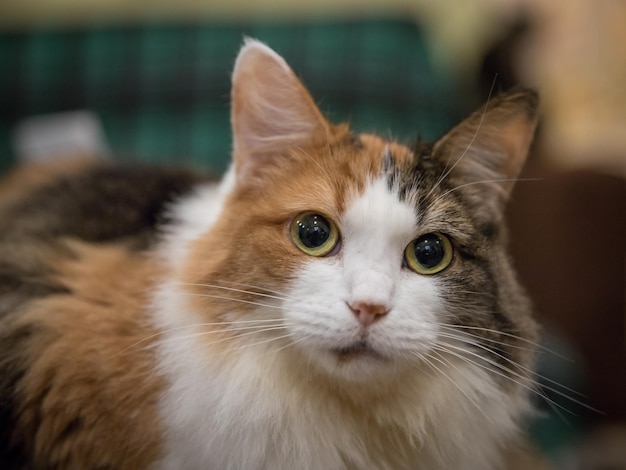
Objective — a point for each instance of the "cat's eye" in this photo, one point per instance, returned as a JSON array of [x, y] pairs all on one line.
[[429, 254], [314, 234]]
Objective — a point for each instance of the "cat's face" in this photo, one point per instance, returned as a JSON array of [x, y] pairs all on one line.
[[365, 256], [361, 309]]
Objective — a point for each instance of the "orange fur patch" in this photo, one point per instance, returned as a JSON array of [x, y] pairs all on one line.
[[91, 391]]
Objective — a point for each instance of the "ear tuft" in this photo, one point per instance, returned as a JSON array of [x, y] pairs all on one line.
[[486, 152], [272, 111]]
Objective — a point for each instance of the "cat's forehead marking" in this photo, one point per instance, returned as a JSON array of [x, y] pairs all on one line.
[[399, 166], [378, 219], [380, 214], [367, 181]]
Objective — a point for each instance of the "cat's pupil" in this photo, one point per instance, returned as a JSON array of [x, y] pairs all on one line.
[[429, 250], [313, 230]]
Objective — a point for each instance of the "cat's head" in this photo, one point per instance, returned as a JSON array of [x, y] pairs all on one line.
[[360, 254]]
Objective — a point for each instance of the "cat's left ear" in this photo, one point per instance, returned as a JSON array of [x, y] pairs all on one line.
[[485, 153], [271, 113]]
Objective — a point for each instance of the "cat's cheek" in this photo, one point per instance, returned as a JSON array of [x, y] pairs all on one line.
[[321, 324], [315, 311], [410, 330]]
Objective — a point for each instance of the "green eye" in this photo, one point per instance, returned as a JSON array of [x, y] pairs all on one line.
[[429, 254], [314, 234]]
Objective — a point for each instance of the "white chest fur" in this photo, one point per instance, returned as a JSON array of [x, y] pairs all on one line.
[[255, 411], [269, 407]]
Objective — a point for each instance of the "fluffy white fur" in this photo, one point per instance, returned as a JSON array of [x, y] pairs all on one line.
[[193, 216], [275, 406]]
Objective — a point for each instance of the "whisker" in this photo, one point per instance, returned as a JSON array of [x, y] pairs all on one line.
[[253, 286], [251, 302], [268, 340], [499, 180], [497, 372], [471, 292], [197, 325], [469, 145], [529, 371], [462, 334], [519, 366], [243, 284], [228, 338], [442, 361], [423, 358], [232, 289], [292, 343], [509, 335]]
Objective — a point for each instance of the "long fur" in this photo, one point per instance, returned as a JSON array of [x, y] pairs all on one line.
[[159, 319]]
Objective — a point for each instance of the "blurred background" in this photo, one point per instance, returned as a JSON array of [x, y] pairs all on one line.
[[149, 80]]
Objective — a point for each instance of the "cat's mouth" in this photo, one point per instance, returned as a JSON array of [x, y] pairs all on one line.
[[356, 350]]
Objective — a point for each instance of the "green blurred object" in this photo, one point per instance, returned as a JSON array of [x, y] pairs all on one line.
[[162, 90]]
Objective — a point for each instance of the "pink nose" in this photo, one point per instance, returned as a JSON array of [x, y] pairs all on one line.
[[368, 313]]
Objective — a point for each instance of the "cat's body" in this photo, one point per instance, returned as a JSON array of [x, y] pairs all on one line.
[[224, 330]]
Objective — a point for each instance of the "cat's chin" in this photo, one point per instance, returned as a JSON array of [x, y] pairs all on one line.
[[359, 350], [358, 362]]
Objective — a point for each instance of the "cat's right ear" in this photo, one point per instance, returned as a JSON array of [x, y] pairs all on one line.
[[272, 111]]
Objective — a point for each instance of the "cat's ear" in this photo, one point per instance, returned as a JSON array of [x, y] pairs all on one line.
[[485, 153], [272, 111]]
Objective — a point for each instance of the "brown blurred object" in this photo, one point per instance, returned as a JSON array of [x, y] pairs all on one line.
[[604, 449], [569, 229], [568, 234], [572, 51], [575, 56]]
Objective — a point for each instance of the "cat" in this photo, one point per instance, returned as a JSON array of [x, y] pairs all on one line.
[[336, 301]]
